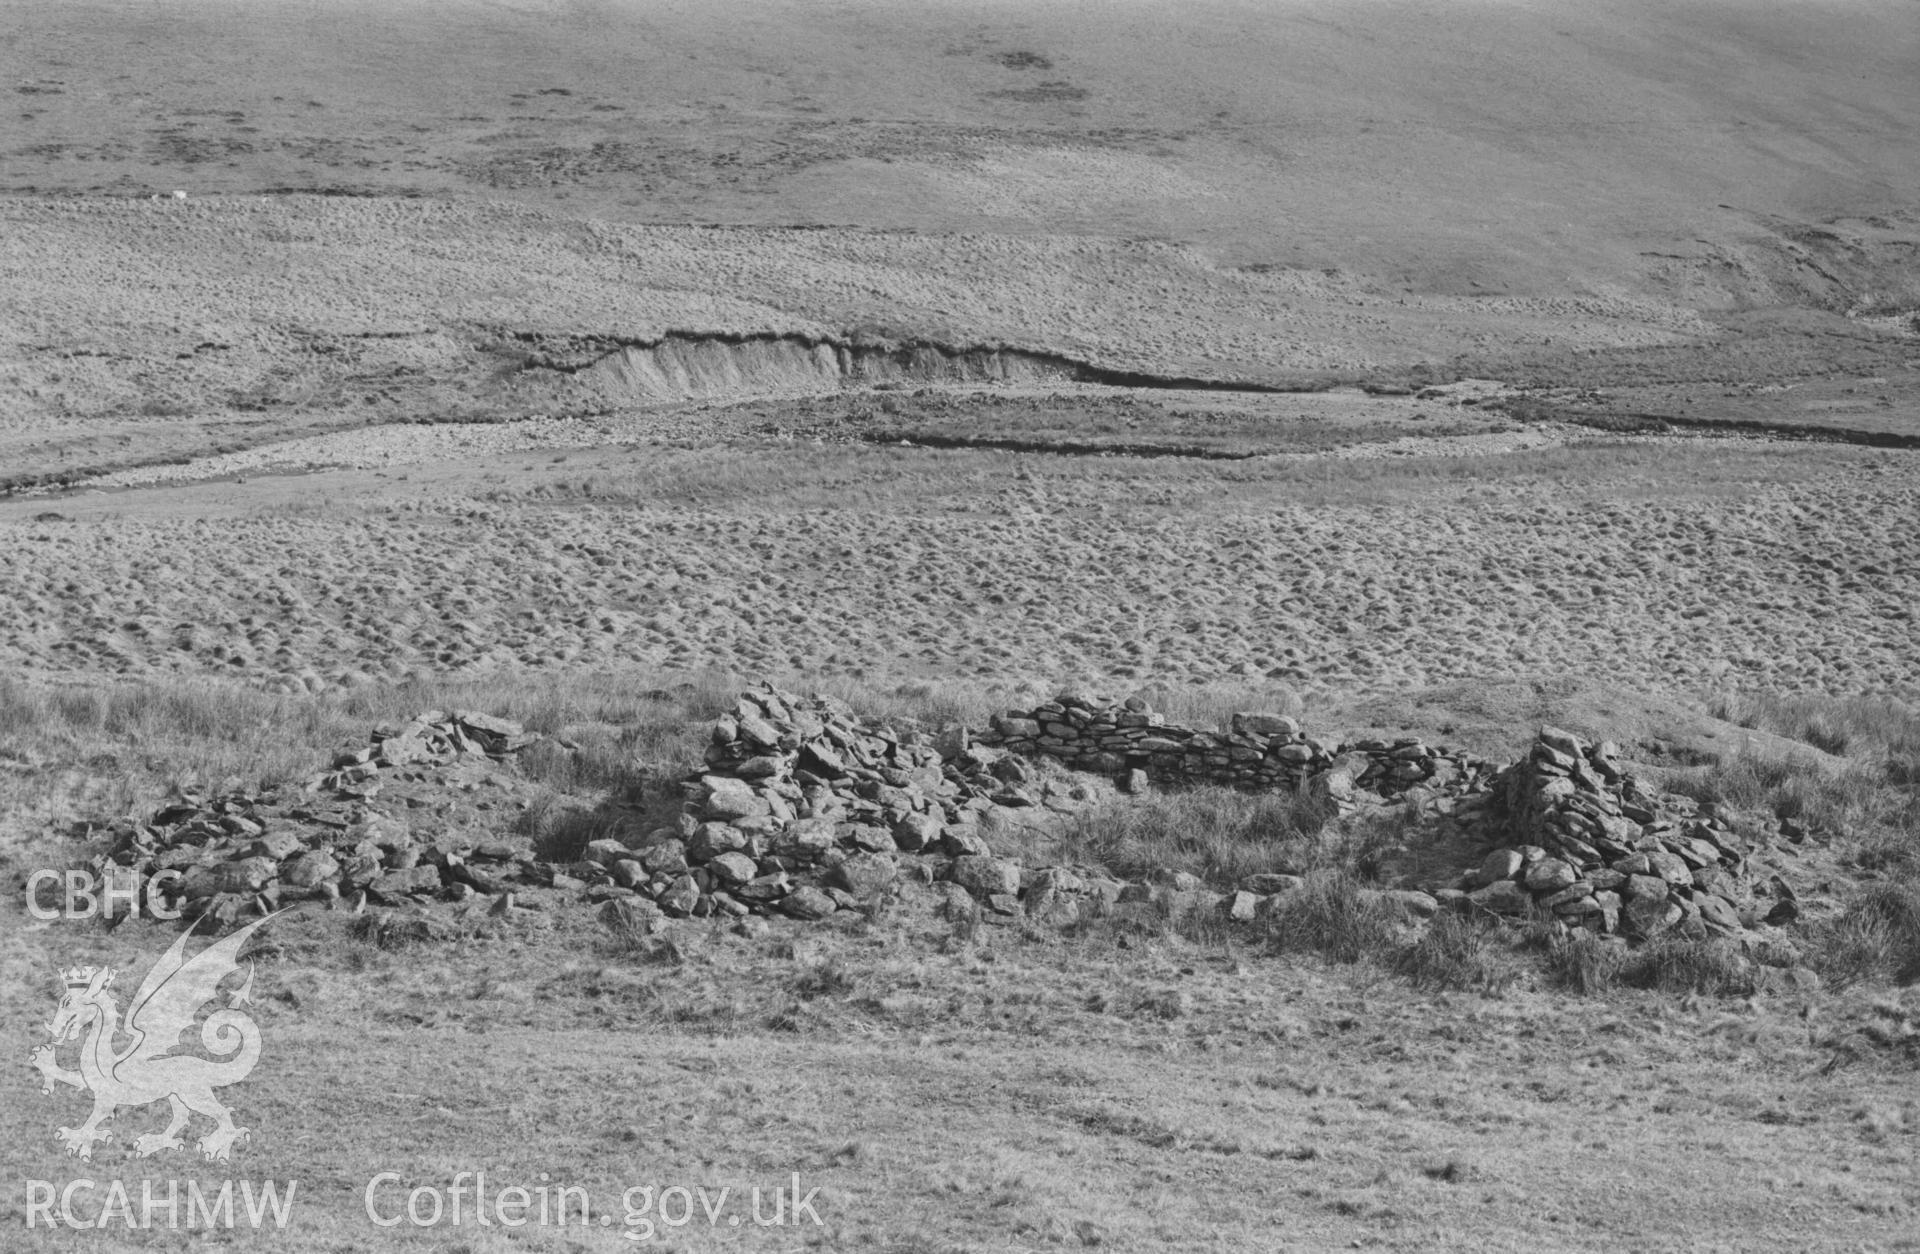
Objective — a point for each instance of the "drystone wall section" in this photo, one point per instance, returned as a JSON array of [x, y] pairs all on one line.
[[1136, 745]]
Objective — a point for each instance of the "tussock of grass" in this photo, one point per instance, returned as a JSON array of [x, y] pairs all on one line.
[[1457, 952], [1218, 834], [561, 832], [1581, 962], [827, 978], [1206, 926], [594, 763], [1892, 846], [1878, 936], [1329, 916], [1675, 965]]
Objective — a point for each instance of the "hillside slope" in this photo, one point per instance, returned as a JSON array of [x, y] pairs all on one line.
[[1522, 147]]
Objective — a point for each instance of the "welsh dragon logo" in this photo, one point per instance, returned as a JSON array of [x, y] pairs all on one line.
[[145, 1069]]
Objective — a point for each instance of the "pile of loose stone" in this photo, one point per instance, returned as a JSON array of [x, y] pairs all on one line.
[[232, 853], [431, 737], [803, 810], [1588, 843]]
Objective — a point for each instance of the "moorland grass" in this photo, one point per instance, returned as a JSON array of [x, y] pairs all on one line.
[[1458, 952], [1876, 938], [1881, 733], [1673, 964], [1331, 916], [1217, 834]]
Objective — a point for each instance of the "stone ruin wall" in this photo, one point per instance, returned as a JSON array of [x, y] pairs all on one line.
[[1136, 746], [804, 810]]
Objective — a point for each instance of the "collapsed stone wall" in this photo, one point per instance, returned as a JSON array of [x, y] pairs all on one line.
[[339, 834], [1578, 838], [1585, 841], [803, 810]]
